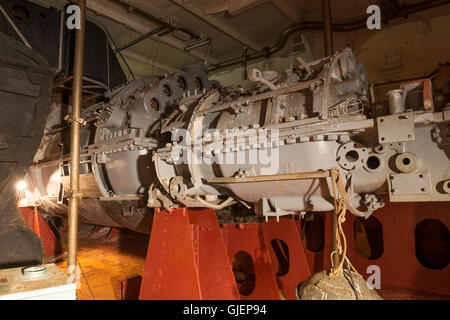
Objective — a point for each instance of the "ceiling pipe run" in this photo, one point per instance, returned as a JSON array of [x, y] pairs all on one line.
[[154, 19], [319, 26]]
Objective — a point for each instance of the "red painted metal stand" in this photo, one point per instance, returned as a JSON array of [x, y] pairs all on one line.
[[256, 240], [189, 258], [399, 266], [186, 258], [249, 238], [128, 288], [51, 243], [398, 263], [287, 231]]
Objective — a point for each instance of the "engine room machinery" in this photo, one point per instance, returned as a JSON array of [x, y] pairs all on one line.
[[185, 141], [117, 142]]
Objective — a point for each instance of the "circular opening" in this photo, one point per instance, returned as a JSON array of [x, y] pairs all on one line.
[[313, 234], [368, 236], [448, 185], [432, 244], [352, 156], [373, 162], [166, 90], [176, 188], [281, 251], [198, 83], [20, 13], [181, 83], [406, 161], [155, 104], [244, 272]]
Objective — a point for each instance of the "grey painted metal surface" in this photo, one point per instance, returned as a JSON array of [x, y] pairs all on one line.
[[185, 141], [318, 127]]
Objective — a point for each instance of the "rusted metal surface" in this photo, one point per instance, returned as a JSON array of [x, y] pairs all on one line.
[[186, 258], [427, 91]]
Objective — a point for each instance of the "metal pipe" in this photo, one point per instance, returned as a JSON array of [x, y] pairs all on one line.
[[274, 177], [13, 25], [327, 32], [319, 26], [197, 44], [75, 141], [154, 19], [139, 39]]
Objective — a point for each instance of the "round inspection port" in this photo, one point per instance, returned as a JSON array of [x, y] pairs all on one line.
[[155, 104], [166, 90], [446, 186], [198, 83], [352, 156], [406, 162], [181, 82], [373, 163]]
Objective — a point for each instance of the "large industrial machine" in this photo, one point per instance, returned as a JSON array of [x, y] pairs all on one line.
[[118, 139], [185, 141], [232, 183]]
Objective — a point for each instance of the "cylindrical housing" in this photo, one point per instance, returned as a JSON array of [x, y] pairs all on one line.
[[396, 104]]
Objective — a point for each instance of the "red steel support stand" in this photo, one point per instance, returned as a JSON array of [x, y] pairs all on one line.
[[52, 245], [399, 266], [249, 238], [186, 258], [287, 231], [398, 263]]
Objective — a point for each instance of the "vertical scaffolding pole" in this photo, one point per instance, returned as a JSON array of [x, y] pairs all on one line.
[[75, 141]]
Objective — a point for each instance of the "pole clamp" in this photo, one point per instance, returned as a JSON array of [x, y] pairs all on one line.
[[73, 194], [81, 121]]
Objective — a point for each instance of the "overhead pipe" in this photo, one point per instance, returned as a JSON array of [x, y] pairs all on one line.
[[327, 31], [319, 26], [75, 142], [154, 19], [139, 39]]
